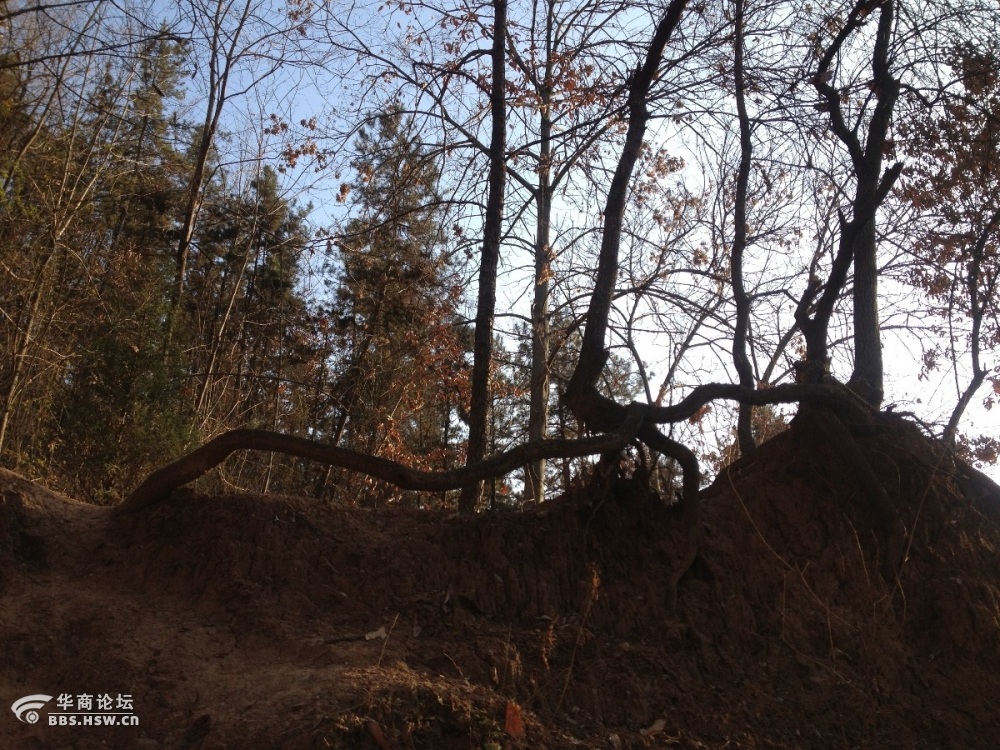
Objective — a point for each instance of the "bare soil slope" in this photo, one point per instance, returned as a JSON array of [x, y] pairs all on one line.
[[274, 622]]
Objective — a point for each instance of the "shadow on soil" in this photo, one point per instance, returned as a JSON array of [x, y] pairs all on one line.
[[273, 622]]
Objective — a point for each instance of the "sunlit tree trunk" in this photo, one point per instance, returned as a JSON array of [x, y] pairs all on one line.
[[223, 54]]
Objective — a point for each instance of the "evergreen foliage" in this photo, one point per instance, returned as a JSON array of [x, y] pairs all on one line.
[[401, 377]]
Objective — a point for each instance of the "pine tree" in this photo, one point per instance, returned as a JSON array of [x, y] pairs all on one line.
[[402, 374]]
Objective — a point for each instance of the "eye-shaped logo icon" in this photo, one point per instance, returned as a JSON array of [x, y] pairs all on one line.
[[26, 708]]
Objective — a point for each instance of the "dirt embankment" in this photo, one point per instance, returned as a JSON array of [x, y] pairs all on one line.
[[248, 621]]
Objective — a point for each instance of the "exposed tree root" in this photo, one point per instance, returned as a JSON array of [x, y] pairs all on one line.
[[161, 483], [838, 436], [618, 424], [690, 505]]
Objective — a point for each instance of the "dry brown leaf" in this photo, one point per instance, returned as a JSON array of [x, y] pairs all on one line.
[[513, 725], [376, 733]]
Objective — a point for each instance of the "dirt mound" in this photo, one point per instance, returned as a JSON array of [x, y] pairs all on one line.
[[275, 622]]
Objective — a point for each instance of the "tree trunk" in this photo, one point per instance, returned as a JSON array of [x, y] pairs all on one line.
[[867, 379], [857, 243], [538, 413], [24, 342], [486, 305], [220, 65], [744, 425], [581, 389]]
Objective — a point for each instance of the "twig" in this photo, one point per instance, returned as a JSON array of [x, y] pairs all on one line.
[[595, 583], [385, 642]]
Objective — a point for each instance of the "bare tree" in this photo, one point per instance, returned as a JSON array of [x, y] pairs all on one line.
[[744, 428], [76, 156], [490, 257], [857, 235], [236, 45]]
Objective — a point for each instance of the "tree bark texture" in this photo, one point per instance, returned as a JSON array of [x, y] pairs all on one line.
[[744, 425], [486, 304]]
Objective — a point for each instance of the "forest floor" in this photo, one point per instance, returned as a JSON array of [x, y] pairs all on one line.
[[277, 622]]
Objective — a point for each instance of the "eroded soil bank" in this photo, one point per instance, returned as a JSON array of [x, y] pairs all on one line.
[[251, 621]]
